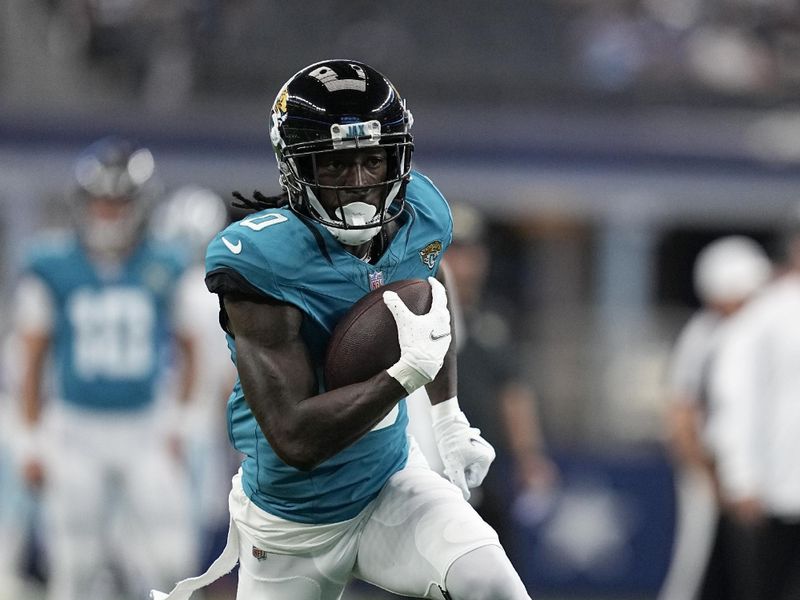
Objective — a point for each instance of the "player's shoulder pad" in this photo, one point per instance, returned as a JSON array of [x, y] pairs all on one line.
[[266, 248], [50, 250], [429, 203], [172, 255]]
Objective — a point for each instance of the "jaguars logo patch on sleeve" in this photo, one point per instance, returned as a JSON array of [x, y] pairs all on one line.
[[430, 253]]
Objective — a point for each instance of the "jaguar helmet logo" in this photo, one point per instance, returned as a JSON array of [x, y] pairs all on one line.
[[280, 103]]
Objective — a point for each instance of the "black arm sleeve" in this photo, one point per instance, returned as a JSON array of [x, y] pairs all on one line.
[[227, 282]]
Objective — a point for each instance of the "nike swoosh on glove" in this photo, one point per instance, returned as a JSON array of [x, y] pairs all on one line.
[[465, 454], [424, 339]]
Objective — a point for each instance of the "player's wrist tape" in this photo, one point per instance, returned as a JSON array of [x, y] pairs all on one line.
[[29, 441], [410, 378], [444, 410]]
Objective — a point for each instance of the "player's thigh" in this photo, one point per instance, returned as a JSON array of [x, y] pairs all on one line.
[[157, 487], [153, 535], [75, 489], [419, 527], [267, 575]]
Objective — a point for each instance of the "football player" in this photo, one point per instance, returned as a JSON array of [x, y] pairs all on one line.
[[331, 486], [191, 216], [96, 306]]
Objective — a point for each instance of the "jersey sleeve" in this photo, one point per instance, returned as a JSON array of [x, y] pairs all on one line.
[[39, 260], [34, 306], [236, 264], [41, 268], [431, 204]]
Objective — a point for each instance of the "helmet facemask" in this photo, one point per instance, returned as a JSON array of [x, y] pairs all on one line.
[[353, 222]]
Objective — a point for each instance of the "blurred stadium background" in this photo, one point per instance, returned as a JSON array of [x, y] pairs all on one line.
[[604, 141]]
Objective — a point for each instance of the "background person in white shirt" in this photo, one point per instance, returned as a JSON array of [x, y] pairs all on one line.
[[755, 426], [727, 273], [191, 216]]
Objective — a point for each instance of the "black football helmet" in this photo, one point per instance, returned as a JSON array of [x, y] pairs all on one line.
[[118, 170], [337, 105]]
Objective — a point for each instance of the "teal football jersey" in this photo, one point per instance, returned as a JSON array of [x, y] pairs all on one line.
[[110, 330], [279, 254]]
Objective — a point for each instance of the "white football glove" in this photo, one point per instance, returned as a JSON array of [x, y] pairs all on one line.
[[465, 454], [424, 339]]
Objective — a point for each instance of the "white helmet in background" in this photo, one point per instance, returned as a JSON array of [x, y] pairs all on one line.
[[191, 215], [730, 270]]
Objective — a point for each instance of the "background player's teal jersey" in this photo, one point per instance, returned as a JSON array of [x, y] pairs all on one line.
[[110, 328], [277, 253]]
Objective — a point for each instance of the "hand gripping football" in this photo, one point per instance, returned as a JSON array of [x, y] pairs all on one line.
[[364, 342]]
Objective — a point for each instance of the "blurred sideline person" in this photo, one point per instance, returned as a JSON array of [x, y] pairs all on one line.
[[191, 216], [707, 561], [332, 488], [755, 425], [492, 392], [18, 504], [93, 316]]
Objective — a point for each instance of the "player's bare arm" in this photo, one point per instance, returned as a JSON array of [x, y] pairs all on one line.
[[465, 454], [304, 428], [35, 347], [444, 387], [188, 350], [342, 141]]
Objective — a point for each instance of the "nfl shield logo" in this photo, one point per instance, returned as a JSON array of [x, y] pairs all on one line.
[[259, 554], [375, 280]]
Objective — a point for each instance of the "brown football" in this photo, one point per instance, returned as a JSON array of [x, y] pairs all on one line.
[[364, 342]]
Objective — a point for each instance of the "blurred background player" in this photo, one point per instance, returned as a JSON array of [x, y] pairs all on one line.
[[94, 319], [755, 425], [18, 506], [708, 559], [492, 389], [191, 216]]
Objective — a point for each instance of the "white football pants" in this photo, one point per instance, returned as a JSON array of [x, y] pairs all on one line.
[[114, 498]]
